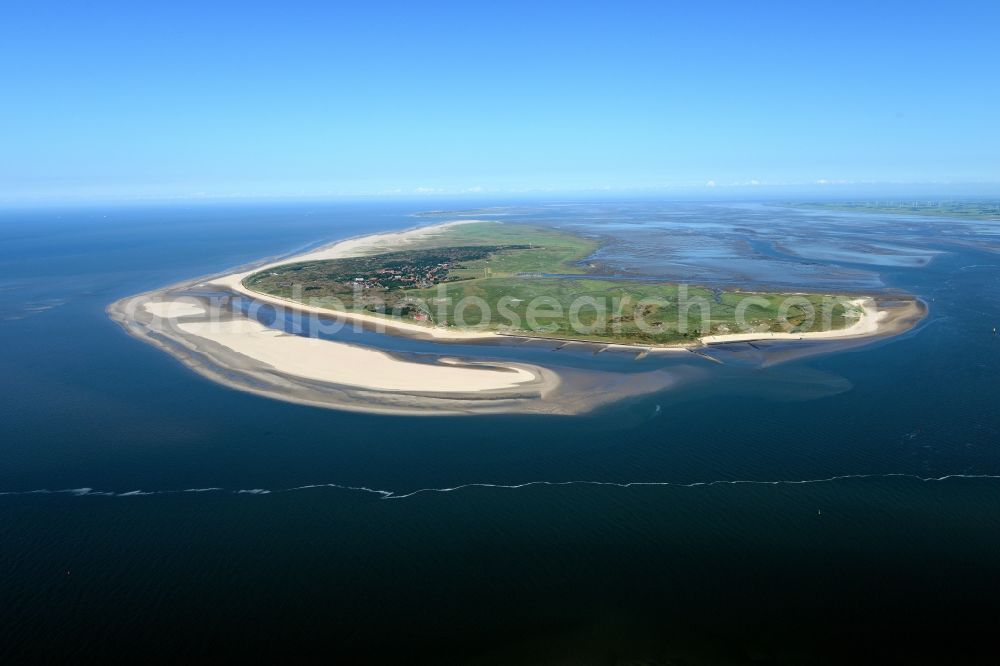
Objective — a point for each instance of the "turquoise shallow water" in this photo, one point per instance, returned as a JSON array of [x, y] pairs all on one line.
[[499, 539]]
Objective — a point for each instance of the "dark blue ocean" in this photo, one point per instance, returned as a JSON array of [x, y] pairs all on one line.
[[854, 525]]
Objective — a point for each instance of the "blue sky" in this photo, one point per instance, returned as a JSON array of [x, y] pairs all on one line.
[[191, 99]]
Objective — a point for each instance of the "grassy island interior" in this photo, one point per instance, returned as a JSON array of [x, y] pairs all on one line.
[[533, 280]]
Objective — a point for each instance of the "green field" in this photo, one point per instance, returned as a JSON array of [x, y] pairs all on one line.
[[535, 281]]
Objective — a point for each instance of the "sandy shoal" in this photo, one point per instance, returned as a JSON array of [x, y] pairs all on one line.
[[339, 363], [172, 309]]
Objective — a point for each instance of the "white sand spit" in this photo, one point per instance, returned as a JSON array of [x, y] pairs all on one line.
[[336, 362]]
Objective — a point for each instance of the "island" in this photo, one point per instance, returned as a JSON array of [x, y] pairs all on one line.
[[318, 327]]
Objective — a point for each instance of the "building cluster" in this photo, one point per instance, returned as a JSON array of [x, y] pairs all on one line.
[[406, 276]]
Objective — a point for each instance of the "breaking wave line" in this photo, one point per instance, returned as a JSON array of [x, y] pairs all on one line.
[[394, 495]]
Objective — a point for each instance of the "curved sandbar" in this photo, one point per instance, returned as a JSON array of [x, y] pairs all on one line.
[[227, 347], [339, 363]]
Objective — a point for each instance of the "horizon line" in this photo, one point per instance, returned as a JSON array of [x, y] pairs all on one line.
[[708, 191]]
